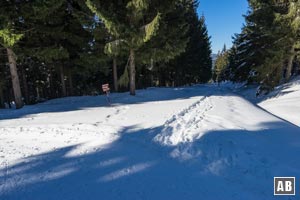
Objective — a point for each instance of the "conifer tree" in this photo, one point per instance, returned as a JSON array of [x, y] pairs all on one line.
[[133, 24], [171, 41], [180, 52], [222, 62], [292, 18], [60, 38], [195, 64], [265, 49], [10, 35]]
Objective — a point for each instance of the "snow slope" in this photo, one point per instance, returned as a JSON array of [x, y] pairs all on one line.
[[284, 101], [200, 142]]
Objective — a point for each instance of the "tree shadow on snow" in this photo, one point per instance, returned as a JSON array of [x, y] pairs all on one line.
[[231, 164], [86, 102]]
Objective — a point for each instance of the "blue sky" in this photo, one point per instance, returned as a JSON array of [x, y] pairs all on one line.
[[223, 19]]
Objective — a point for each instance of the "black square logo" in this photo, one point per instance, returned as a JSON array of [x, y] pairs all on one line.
[[284, 185]]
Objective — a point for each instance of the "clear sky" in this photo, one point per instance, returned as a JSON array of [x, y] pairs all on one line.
[[223, 19]]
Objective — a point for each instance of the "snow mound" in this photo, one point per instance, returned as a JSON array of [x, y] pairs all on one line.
[[212, 113], [184, 127], [284, 102], [191, 133]]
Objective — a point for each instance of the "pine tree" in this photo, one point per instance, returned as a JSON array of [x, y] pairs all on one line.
[[221, 65], [10, 35], [170, 42], [204, 53], [181, 48], [133, 23], [265, 49], [292, 19], [195, 64], [60, 38]]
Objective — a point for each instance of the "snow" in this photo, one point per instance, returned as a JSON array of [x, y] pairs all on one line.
[[194, 142], [211, 114], [284, 102]]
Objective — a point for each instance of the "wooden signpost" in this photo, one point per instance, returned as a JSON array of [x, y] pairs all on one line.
[[106, 89]]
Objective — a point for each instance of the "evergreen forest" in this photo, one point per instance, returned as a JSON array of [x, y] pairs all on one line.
[[57, 48]]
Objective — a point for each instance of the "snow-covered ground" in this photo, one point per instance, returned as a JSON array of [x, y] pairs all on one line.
[[200, 142], [284, 102]]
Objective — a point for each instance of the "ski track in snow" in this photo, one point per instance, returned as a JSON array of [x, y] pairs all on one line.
[[118, 111], [184, 127]]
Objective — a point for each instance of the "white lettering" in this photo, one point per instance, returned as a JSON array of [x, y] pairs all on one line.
[[280, 187], [288, 186]]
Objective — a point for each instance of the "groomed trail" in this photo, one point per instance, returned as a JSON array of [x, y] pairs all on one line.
[[200, 142]]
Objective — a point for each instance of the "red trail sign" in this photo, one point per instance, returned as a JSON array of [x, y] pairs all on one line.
[[106, 89]]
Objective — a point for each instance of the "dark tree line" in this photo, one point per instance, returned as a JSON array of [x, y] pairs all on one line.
[[57, 48], [267, 51]]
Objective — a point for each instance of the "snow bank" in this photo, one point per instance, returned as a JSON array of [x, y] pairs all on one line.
[[284, 102]]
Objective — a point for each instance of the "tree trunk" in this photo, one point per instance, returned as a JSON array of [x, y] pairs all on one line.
[[151, 72], [115, 74], [70, 82], [132, 72], [151, 79], [15, 78], [24, 82], [162, 78], [51, 83], [10, 98], [62, 79], [1, 98], [290, 65], [38, 97]]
